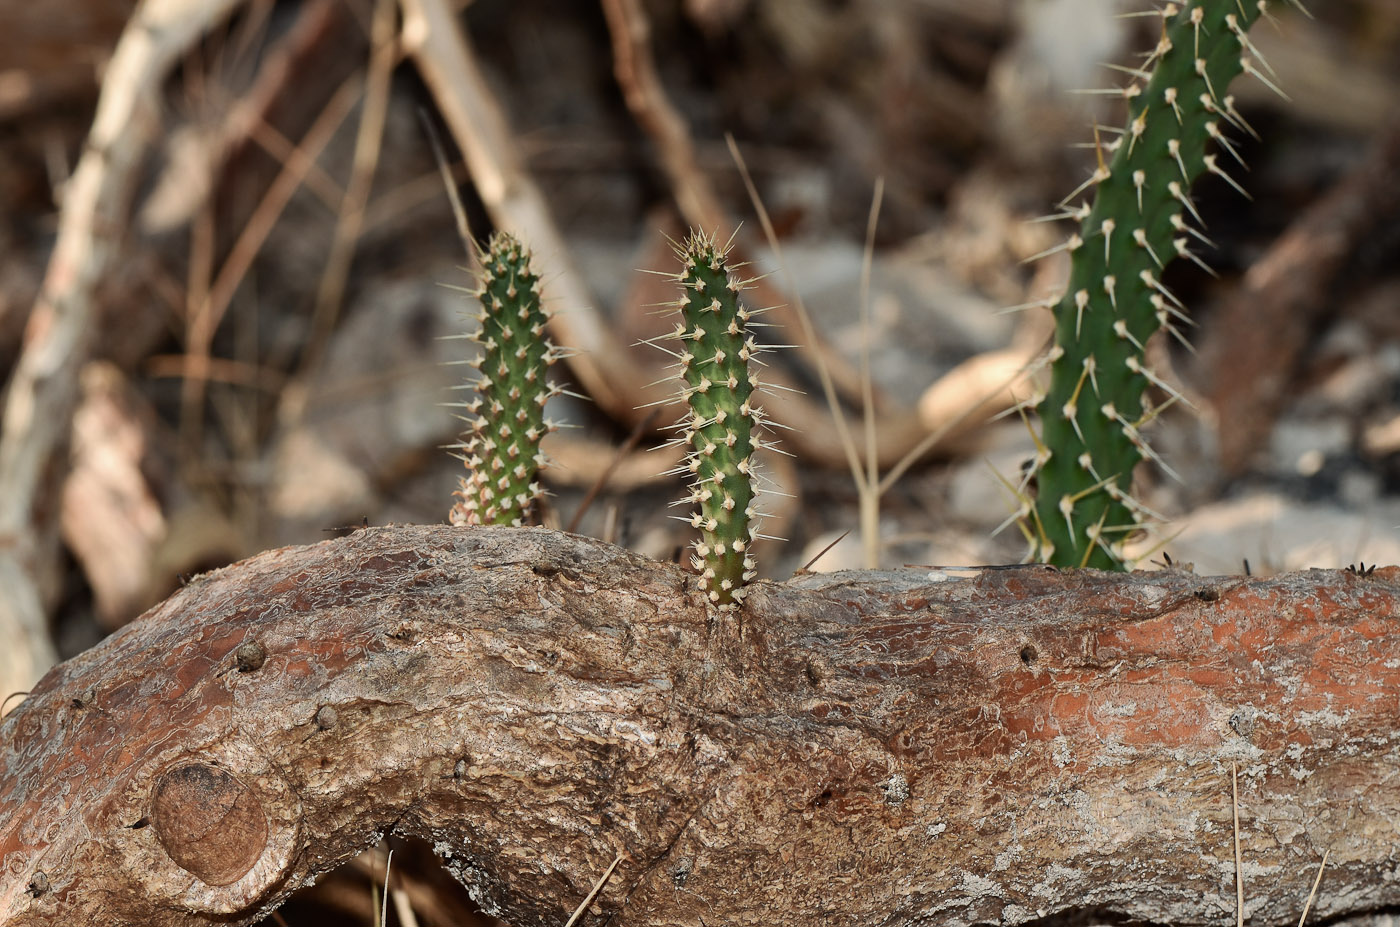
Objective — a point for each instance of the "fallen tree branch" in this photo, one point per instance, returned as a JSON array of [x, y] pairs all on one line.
[[879, 748]]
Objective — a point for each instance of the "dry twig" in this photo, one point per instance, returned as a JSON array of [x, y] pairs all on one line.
[[208, 315], [43, 389], [434, 38], [635, 68], [384, 55]]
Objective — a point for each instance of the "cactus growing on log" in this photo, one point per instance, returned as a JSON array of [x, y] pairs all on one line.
[[716, 348], [506, 416], [1094, 411]]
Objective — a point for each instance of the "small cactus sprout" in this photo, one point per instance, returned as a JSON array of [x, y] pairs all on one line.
[[714, 359], [1094, 411], [506, 415]]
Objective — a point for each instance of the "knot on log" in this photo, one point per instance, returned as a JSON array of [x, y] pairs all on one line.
[[210, 823]]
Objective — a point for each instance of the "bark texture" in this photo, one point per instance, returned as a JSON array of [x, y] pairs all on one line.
[[896, 748]]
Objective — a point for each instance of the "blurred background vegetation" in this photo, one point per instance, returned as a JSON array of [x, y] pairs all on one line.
[[270, 339]]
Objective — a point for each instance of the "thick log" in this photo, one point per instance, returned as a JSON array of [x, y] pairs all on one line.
[[898, 748]]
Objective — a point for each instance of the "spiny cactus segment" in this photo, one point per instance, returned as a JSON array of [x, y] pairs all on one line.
[[505, 418], [1142, 218], [715, 350]]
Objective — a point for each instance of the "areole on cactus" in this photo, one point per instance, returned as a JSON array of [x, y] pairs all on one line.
[[1142, 218], [505, 418]]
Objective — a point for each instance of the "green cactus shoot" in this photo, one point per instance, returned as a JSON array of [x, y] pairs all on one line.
[[505, 418], [1142, 218], [714, 356]]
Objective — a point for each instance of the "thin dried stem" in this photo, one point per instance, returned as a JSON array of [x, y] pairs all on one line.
[[930, 441], [869, 489], [597, 887], [1312, 895], [1239, 860], [599, 484], [330, 295], [843, 431], [42, 393], [449, 185], [249, 243]]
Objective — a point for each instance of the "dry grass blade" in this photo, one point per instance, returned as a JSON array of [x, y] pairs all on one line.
[[330, 295], [823, 552], [869, 489], [930, 441], [250, 241], [283, 149], [1239, 862], [848, 444], [384, 902], [449, 184], [1313, 894], [599, 484], [597, 887], [218, 370]]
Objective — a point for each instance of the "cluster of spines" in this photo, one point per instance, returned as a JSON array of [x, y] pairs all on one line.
[[1094, 410], [721, 430], [505, 418]]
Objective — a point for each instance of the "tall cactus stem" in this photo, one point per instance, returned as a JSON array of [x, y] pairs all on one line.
[[721, 429], [505, 416], [1093, 413]]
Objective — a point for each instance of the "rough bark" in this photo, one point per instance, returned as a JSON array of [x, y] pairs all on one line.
[[898, 748]]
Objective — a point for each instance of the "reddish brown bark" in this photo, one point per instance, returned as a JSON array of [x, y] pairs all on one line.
[[893, 748]]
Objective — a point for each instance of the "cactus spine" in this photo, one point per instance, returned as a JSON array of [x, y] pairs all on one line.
[[720, 431], [506, 416], [1093, 413]]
